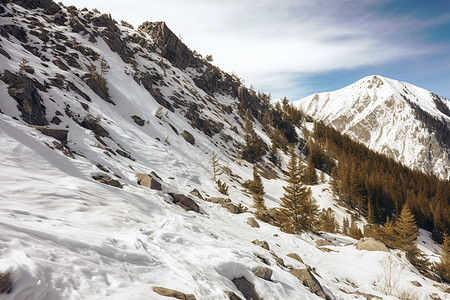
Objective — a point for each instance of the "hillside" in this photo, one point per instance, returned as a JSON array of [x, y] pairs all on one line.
[[405, 122], [91, 112]]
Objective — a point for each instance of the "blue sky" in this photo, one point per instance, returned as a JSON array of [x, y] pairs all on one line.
[[295, 48]]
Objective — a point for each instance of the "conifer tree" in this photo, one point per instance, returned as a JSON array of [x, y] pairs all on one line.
[[253, 148], [406, 233], [355, 232], [345, 227], [328, 221], [257, 189], [444, 265], [297, 204], [310, 175], [216, 167]]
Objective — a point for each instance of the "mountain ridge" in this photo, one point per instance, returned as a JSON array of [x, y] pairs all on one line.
[[389, 117]]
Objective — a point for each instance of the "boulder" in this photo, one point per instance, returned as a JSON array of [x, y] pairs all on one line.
[[173, 293], [322, 242], [246, 288], [149, 181], [234, 209], [196, 193], [252, 222], [308, 279], [107, 180], [263, 244], [4, 283], [188, 137], [138, 120], [59, 134], [416, 283], [218, 200], [370, 244], [278, 259], [295, 256], [263, 272], [185, 202], [232, 296]]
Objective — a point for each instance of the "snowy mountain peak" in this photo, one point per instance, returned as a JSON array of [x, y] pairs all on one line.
[[396, 118]]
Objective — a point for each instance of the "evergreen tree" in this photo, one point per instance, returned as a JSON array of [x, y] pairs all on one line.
[[253, 147], [345, 227], [297, 204], [355, 232], [216, 167], [328, 222], [406, 233], [257, 189], [444, 265]]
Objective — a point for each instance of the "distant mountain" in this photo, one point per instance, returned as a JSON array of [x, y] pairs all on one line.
[[391, 117]]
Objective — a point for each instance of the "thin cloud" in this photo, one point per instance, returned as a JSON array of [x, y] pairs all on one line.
[[283, 40]]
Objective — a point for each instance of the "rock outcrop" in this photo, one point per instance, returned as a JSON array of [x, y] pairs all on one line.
[[371, 244], [308, 279], [185, 202], [4, 283], [24, 90], [173, 293], [246, 288], [149, 181]]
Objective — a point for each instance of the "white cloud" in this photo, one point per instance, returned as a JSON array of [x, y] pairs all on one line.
[[269, 43]]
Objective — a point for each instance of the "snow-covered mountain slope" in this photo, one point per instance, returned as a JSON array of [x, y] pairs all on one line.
[[395, 118], [64, 235]]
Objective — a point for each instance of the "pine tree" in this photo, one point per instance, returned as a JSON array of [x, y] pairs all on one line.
[[355, 232], [297, 204], [406, 233], [328, 222], [216, 167], [253, 148], [310, 174], [345, 227], [444, 265], [257, 189]]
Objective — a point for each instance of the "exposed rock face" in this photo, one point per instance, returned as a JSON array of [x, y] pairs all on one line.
[[322, 242], [173, 293], [295, 256], [262, 244], [232, 296], [185, 202], [188, 137], [107, 180], [370, 244], [112, 36], [93, 124], [24, 90], [172, 48], [149, 181], [49, 6], [252, 222], [264, 273], [14, 30], [138, 120], [226, 203], [307, 278], [4, 282], [246, 288], [59, 134]]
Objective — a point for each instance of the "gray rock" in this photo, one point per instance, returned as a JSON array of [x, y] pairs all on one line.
[[252, 222], [4, 282], [308, 279], [59, 134], [232, 296], [264, 273], [188, 137], [416, 283], [370, 244], [173, 293], [196, 193], [185, 202], [295, 256], [107, 180], [218, 200], [149, 181], [234, 209], [322, 242], [138, 120], [246, 288], [263, 244]]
